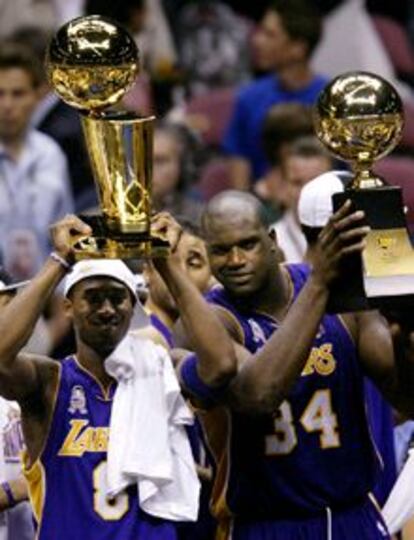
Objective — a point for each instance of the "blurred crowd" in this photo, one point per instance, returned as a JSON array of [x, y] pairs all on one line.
[[232, 89]]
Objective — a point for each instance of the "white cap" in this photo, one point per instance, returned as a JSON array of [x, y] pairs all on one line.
[[113, 268], [315, 205]]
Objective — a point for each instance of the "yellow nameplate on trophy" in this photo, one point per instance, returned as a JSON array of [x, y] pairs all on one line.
[[388, 262], [388, 252]]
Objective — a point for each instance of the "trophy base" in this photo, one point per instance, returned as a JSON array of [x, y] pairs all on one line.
[[384, 275], [106, 244]]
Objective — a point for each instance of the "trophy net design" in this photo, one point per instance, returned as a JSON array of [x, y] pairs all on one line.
[[359, 118], [91, 63]]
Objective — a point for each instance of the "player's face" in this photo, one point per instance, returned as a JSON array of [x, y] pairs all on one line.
[[101, 309], [241, 253], [18, 98]]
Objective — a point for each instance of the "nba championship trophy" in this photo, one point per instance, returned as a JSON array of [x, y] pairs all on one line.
[[359, 118], [91, 62]]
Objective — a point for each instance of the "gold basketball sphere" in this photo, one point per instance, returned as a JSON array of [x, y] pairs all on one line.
[[359, 117], [91, 62]]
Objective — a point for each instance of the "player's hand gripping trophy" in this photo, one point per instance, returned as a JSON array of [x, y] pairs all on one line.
[[91, 62], [359, 118]]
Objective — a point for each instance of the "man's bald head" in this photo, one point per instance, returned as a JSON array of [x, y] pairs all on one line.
[[232, 207], [243, 257]]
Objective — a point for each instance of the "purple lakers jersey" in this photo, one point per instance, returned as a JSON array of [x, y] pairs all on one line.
[[316, 451], [68, 482]]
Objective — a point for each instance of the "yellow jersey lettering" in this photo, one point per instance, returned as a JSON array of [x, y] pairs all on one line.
[[320, 360], [310, 362], [81, 439], [326, 363], [101, 436]]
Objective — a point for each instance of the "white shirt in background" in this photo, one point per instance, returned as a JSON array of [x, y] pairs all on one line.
[[17, 523], [290, 238]]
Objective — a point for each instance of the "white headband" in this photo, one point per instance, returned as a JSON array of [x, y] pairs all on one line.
[[113, 268]]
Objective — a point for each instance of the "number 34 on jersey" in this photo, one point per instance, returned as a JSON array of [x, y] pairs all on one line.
[[318, 417]]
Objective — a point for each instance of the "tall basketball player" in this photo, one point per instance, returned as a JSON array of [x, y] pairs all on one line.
[[293, 452]]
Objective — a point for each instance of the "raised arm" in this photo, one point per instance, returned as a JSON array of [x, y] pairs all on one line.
[[266, 377], [217, 363], [21, 374]]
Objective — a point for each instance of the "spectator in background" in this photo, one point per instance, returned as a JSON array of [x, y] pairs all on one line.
[[65, 11], [55, 118], [214, 46], [51, 326], [304, 160], [17, 13], [34, 186], [146, 21], [342, 50], [283, 124], [16, 521], [284, 42], [21, 253], [175, 171]]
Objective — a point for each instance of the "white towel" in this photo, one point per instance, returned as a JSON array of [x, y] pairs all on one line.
[[399, 507], [148, 443]]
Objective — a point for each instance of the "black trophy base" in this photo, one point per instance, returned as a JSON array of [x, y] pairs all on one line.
[[105, 243], [384, 211]]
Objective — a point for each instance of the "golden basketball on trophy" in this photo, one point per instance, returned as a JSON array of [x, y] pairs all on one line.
[[91, 63], [359, 118]]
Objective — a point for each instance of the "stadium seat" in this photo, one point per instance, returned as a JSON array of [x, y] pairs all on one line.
[[209, 114], [397, 43], [407, 140], [215, 177]]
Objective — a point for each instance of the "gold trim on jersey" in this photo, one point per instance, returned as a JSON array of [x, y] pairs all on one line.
[[374, 501], [34, 472], [105, 391], [224, 529], [216, 424], [343, 323], [371, 436], [36, 481], [27, 457]]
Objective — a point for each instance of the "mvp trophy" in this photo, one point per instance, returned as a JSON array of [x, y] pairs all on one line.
[[359, 118], [91, 62]]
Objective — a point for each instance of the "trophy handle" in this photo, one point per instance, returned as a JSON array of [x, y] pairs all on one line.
[[102, 245]]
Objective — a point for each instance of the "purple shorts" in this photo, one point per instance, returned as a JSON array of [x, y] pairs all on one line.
[[357, 523]]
